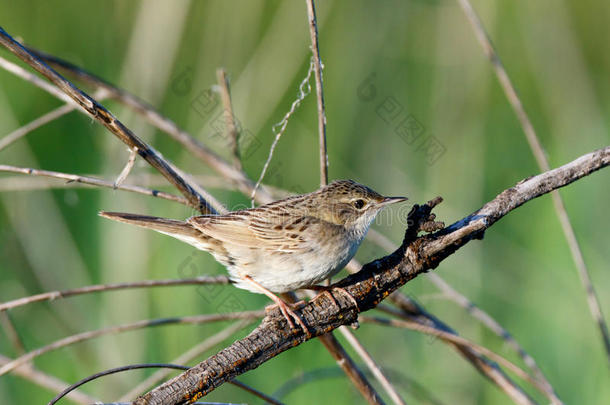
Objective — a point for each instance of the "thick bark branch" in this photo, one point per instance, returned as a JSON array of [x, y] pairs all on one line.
[[370, 286]]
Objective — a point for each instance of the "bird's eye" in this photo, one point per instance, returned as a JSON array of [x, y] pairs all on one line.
[[359, 204]]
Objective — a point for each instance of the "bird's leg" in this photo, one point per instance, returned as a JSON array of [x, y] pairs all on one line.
[[326, 289], [284, 307]]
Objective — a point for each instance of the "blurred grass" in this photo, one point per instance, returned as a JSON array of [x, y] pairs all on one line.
[[422, 54]]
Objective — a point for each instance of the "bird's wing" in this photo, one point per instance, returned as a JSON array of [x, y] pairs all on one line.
[[284, 232]]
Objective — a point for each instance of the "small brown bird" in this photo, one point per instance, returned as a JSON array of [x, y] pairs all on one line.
[[282, 246]]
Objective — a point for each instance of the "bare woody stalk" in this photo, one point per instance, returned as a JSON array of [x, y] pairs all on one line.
[[315, 50], [106, 118], [369, 287], [543, 164]]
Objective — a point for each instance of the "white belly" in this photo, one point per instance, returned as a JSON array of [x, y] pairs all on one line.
[[282, 272]]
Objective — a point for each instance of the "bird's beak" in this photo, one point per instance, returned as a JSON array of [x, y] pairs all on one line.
[[392, 200]]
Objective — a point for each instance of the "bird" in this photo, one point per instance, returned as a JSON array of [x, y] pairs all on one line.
[[286, 245]]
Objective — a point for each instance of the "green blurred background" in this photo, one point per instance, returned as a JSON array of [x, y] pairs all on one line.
[[420, 56]]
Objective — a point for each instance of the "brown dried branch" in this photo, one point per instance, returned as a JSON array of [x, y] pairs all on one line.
[[106, 118], [543, 164], [370, 286], [315, 50]]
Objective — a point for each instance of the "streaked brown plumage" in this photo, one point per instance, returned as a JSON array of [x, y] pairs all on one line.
[[285, 245]]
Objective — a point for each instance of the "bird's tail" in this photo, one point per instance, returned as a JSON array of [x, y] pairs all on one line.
[[178, 229]]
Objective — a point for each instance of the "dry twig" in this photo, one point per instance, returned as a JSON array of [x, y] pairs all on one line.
[[372, 365], [54, 295], [315, 50], [231, 132], [92, 181]]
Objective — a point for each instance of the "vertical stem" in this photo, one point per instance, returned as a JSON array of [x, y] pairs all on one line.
[[231, 130], [315, 50]]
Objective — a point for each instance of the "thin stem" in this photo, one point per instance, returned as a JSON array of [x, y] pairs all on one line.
[[351, 369], [459, 341], [116, 370], [492, 325], [231, 132], [345, 362], [478, 313], [35, 80], [543, 164], [186, 358], [54, 295], [372, 365], [127, 168], [106, 118], [80, 337], [37, 123], [92, 181], [49, 382], [19, 183], [11, 333], [304, 89], [315, 50]]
